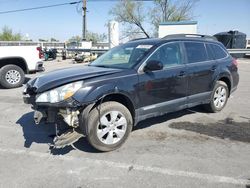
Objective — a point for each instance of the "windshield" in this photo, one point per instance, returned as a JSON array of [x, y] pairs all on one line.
[[125, 56]]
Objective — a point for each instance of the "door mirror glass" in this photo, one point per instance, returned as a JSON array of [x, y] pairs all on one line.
[[153, 65]]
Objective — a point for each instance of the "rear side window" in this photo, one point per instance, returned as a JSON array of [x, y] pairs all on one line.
[[218, 52], [210, 52], [196, 52]]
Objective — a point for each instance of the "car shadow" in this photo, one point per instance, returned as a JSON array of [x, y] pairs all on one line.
[[45, 133], [173, 115], [33, 133], [227, 128], [26, 80], [223, 129]]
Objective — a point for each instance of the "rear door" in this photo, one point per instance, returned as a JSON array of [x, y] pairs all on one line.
[[201, 69], [164, 90]]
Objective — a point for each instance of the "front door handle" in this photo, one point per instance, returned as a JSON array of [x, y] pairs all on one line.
[[182, 74]]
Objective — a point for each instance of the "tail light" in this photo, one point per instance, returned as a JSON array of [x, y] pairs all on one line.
[[235, 62], [40, 54]]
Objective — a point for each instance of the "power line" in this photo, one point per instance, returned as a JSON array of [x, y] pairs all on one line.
[[84, 7], [117, 0], [56, 5], [40, 7]]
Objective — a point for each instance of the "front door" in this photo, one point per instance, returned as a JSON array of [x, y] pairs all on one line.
[[163, 90]]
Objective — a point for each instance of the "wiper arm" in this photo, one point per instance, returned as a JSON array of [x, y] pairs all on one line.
[[104, 66]]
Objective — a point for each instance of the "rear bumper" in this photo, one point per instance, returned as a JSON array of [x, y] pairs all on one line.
[[235, 81], [39, 67]]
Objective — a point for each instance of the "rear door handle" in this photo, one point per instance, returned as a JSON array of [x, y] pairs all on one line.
[[214, 67], [182, 74]]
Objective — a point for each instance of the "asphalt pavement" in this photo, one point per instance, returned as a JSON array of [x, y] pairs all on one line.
[[189, 148]]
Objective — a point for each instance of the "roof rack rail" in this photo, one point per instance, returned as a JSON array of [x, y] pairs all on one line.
[[207, 37], [138, 39]]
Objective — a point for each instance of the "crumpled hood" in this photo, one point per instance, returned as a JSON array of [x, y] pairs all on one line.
[[63, 76]]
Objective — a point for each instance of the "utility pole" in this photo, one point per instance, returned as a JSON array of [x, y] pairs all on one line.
[[165, 10], [84, 24]]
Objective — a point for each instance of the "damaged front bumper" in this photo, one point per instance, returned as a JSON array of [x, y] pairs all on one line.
[[50, 112], [69, 111]]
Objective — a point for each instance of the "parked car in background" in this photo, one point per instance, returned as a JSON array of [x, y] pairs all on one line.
[[132, 82], [85, 57], [16, 61]]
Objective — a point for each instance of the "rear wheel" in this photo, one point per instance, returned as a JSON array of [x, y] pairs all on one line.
[[109, 128], [219, 97], [11, 76]]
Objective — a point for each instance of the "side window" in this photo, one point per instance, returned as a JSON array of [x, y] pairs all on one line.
[[169, 55], [218, 52], [196, 52], [210, 52]]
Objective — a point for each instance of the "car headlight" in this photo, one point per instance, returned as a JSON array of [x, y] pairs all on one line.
[[59, 94]]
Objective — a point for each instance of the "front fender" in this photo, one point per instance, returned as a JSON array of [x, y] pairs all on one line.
[[90, 94]]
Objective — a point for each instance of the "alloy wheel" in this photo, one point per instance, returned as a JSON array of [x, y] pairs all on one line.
[[220, 97], [112, 127], [13, 77]]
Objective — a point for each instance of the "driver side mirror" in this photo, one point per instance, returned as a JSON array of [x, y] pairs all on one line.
[[153, 65]]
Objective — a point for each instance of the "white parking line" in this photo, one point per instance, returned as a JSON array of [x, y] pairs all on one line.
[[165, 171]]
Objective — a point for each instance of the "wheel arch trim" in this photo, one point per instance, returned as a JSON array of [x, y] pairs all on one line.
[[225, 77], [15, 58]]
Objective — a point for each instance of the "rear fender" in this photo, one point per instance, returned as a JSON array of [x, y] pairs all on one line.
[[223, 75]]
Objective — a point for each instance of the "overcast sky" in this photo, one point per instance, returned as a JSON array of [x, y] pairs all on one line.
[[213, 16]]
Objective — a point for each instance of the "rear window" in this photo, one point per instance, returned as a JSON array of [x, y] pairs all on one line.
[[196, 52], [218, 52]]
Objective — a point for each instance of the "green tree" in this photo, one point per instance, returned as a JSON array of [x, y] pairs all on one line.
[[8, 35], [42, 40], [90, 36], [76, 39], [95, 37], [53, 40]]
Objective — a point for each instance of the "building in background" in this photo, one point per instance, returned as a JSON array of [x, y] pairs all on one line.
[[113, 34], [169, 28]]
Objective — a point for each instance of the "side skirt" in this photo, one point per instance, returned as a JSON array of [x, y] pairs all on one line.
[[171, 106]]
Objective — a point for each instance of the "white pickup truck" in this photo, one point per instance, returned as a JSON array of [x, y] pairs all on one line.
[[16, 61]]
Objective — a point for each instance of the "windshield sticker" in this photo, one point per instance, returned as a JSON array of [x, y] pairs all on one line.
[[144, 46]]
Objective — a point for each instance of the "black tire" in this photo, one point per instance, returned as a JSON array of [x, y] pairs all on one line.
[[94, 125], [8, 83], [54, 56], [211, 107]]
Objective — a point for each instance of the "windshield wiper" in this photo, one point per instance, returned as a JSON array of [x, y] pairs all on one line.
[[104, 66]]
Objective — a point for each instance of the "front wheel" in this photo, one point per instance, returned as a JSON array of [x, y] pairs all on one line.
[[11, 76], [109, 127], [219, 97]]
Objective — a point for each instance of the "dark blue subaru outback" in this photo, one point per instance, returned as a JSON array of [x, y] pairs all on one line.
[[134, 81]]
